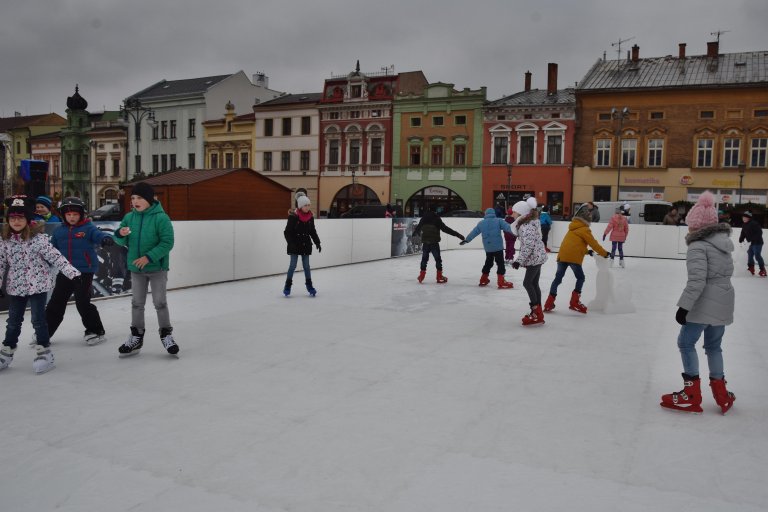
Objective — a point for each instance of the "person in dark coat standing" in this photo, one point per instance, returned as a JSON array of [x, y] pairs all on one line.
[[753, 233], [430, 227], [300, 233]]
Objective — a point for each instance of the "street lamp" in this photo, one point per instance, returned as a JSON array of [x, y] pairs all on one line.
[[742, 168], [133, 109], [509, 181], [621, 116]]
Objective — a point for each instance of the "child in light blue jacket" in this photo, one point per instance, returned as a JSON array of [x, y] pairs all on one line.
[[490, 228]]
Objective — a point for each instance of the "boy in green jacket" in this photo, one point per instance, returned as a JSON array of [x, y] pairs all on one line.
[[148, 233]]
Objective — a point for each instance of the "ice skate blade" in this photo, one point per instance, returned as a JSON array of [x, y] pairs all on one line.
[[687, 410], [40, 372], [129, 354], [576, 310]]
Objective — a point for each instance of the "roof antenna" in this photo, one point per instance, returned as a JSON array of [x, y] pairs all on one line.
[[618, 44], [718, 33]]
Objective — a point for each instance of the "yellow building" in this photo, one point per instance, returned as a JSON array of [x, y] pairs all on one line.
[[228, 142]]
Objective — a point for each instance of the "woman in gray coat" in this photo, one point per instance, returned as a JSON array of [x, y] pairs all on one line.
[[705, 306]]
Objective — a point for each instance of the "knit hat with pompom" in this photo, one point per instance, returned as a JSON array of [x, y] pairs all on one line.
[[703, 212]]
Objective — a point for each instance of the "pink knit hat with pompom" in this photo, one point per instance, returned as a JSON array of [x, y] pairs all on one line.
[[703, 212]]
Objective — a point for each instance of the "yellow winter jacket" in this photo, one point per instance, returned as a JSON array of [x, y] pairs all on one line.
[[574, 246]]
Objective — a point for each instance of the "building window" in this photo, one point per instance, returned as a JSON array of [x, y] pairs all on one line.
[[437, 155], [731, 152], [460, 154], [304, 161], [173, 161], [355, 114], [285, 160], [191, 160], [415, 155], [526, 149], [155, 131], [655, 152], [115, 167], [500, 146], [155, 163], [376, 113], [554, 149], [376, 151], [437, 121], [287, 125], [229, 160], [734, 114], [706, 114], [243, 159], [415, 122], [102, 168], [356, 91], [604, 116], [268, 127], [354, 151], [163, 129], [173, 129], [501, 118], [306, 125], [629, 153], [191, 128], [460, 120], [333, 152], [656, 115], [603, 153], [761, 112], [214, 161], [267, 160], [758, 153], [334, 115], [704, 149]]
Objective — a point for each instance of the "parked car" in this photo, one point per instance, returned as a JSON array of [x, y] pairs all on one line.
[[464, 213], [107, 212]]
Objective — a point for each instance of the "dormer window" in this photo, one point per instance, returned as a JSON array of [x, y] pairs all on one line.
[[356, 91]]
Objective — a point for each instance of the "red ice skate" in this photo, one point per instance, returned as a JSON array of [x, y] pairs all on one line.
[[484, 280], [440, 277], [751, 269], [422, 275], [762, 272], [550, 304], [576, 304], [535, 317], [723, 397], [686, 400], [502, 284]]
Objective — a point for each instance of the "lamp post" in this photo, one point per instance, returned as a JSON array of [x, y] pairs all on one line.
[[509, 181], [742, 168], [621, 115], [133, 109]]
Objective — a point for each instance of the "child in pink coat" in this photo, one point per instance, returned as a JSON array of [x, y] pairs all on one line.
[[618, 227]]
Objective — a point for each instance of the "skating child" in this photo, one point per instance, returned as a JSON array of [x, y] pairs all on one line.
[[753, 233], [430, 226], [300, 233], [532, 255], [546, 225], [491, 227], [572, 251], [148, 233], [509, 239], [705, 306], [76, 238], [27, 255], [618, 228], [44, 210]]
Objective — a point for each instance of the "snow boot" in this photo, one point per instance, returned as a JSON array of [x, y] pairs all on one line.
[[762, 272], [166, 338], [502, 284], [6, 356], [535, 317], [576, 304], [311, 289], [94, 338], [723, 397], [440, 277], [133, 344], [484, 280], [43, 361], [422, 275], [688, 399], [287, 287], [549, 305], [751, 269]]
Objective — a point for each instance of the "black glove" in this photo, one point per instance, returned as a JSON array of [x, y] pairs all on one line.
[[680, 316], [107, 242], [516, 265], [319, 249], [591, 252], [463, 242], [2, 293], [603, 238]]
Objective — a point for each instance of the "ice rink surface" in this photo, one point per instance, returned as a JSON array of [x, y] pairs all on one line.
[[381, 394]]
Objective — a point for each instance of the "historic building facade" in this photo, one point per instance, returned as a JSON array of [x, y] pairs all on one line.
[[76, 149], [437, 149], [528, 146], [671, 127], [108, 156], [47, 148], [228, 141]]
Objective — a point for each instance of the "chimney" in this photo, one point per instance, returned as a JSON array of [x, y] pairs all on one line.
[[635, 53], [681, 53], [552, 78], [713, 48], [527, 81]]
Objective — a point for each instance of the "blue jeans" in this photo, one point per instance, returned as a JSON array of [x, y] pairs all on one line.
[[753, 253], [304, 263], [434, 250], [713, 337], [16, 306], [561, 268], [620, 247]]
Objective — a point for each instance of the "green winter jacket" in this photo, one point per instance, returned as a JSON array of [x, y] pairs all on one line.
[[151, 236]]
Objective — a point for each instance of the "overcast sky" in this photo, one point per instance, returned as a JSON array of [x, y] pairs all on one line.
[[114, 48]]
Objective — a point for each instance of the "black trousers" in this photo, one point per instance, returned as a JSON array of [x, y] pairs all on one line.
[[434, 250], [497, 256], [531, 284], [54, 311]]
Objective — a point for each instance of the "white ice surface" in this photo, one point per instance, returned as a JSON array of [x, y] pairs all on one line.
[[381, 394]]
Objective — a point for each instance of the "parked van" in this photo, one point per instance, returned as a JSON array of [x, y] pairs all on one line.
[[640, 212]]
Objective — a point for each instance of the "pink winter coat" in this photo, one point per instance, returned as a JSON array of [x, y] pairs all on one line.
[[618, 227]]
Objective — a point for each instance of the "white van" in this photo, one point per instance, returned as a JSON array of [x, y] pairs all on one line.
[[640, 212]]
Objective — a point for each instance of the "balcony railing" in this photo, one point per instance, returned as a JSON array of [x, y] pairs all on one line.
[[359, 170]]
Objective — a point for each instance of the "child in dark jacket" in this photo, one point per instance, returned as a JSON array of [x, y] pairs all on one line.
[[430, 227], [300, 233], [491, 228], [753, 233], [76, 238]]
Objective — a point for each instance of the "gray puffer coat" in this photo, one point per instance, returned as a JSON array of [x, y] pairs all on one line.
[[708, 296]]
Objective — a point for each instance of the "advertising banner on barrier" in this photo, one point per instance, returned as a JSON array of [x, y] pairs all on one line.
[[403, 241], [112, 278]]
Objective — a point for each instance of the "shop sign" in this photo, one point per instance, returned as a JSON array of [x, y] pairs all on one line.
[[435, 191], [686, 180], [641, 196]]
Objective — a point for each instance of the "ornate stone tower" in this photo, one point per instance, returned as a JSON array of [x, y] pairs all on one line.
[[75, 149]]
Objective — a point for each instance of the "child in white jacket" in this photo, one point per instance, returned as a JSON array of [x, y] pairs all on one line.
[[532, 255]]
